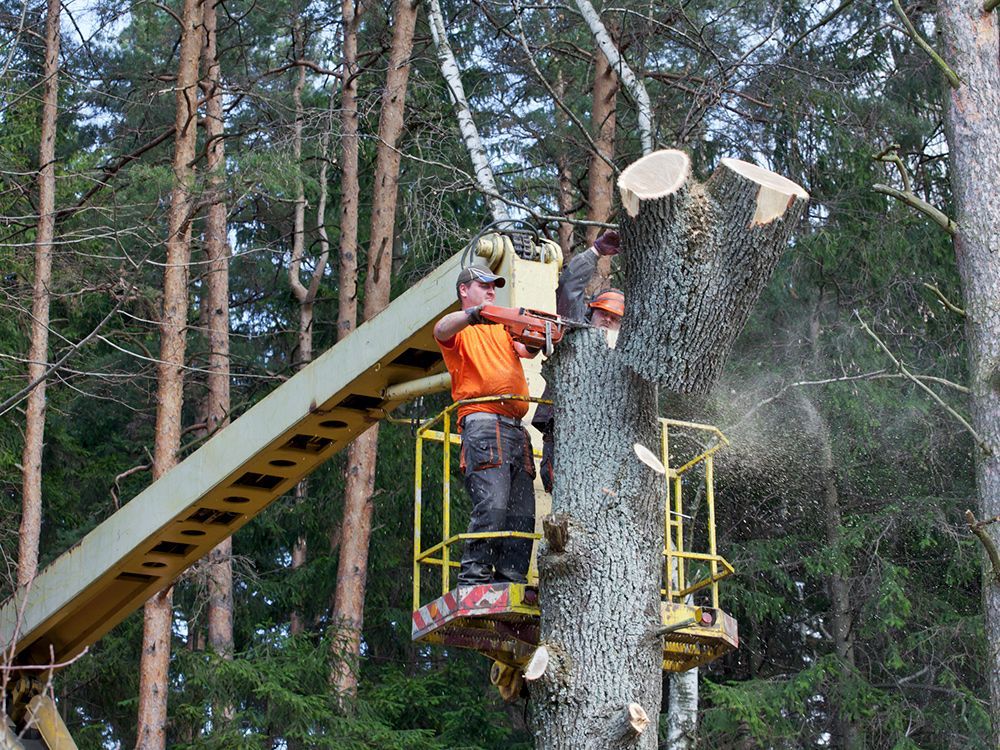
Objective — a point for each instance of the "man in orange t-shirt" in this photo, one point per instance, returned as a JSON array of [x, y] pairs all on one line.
[[497, 461]]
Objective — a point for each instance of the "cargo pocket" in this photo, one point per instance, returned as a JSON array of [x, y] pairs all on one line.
[[479, 452]]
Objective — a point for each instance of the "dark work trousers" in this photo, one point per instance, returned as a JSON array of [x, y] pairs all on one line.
[[499, 469], [548, 467]]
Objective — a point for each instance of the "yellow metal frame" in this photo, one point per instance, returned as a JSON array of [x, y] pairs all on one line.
[[447, 437], [677, 588]]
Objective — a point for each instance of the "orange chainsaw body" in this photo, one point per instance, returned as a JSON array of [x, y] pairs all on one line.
[[534, 328]]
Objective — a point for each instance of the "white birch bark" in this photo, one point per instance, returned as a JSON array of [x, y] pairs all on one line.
[[632, 83], [467, 126]]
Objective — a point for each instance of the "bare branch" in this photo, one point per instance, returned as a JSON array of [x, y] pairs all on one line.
[[944, 300], [976, 527], [939, 217], [633, 84], [953, 80], [986, 448]]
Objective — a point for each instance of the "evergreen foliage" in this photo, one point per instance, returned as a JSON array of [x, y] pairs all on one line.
[[726, 81]]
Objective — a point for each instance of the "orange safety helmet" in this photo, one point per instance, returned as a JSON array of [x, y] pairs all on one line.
[[610, 300]]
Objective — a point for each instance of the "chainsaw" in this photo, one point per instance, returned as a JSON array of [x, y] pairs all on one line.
[[533, 328]]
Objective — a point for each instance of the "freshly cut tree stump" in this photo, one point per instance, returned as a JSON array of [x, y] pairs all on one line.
[[696, 258]]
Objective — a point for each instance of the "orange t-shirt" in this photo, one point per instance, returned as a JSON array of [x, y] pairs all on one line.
[[482, 362]]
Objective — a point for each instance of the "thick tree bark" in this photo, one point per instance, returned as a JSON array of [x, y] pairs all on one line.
[[601, 593], [600, 599], [467, 126], [216, 316], [352, 571], [34, 428], [971, 40], [153, 670], [600, 175], [721, 239]]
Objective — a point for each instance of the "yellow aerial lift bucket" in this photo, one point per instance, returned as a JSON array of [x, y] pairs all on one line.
[[501, 621]]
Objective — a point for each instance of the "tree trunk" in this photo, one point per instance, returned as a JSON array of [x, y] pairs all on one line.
[[153, 669], [565, 195], [34, 428], [971, 41], [352, 571], [350, 189], [600, 176], [304, 347], [216, 306], [846, 732], [601, 594]]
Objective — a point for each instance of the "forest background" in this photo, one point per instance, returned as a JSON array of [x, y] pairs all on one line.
[[841, 500]]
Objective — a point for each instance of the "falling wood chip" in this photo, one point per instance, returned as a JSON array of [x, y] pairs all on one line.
[[649, 458]]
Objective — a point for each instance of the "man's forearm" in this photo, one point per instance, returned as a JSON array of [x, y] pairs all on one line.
[[450, 325]]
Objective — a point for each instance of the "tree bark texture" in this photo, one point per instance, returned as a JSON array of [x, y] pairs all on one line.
[[352, 570], [350, 190], [600, 175], [696, 258], [216, 305], [682, 712], [153, 683], [467, 126], [971, 41], [38, 353], [600, 595]]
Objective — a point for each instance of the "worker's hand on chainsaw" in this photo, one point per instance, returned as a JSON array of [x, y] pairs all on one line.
[[473, 314], [607, 243]]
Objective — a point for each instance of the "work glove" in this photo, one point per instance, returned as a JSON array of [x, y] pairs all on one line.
[[472, 313], [607, 243]]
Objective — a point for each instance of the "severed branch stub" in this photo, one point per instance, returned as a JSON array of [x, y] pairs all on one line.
[[978, 528], [697, 256], [630, 723], [556, 530]]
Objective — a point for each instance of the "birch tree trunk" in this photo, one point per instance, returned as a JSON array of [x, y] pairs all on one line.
[[34, 428], [971, 42], [467, 126], [600, 591], [216, 306], [352, 571], [153, 670]]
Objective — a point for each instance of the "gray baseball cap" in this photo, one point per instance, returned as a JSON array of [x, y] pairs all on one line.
[[479, 273]]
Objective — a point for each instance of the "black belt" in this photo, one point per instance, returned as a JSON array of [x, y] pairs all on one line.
[[484, 415]]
